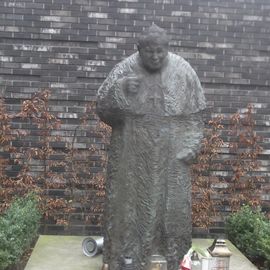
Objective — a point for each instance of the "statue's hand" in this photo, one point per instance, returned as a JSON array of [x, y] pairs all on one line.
[[132, 84], [186, 156]]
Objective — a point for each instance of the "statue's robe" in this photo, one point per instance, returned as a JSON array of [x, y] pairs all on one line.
[[155, 132]]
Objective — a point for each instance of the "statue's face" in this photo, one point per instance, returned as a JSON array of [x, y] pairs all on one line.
[[153, 55]]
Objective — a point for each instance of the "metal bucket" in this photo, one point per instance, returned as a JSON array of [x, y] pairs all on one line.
[[91, 246]]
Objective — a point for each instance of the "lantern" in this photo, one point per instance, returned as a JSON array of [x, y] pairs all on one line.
[[127, 264], [156, 262], [220, 255]]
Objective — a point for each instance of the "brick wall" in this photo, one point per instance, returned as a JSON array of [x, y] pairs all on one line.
[[70, 46]]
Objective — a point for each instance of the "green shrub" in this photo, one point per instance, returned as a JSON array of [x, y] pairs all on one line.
[[18, 227], [249, 230]]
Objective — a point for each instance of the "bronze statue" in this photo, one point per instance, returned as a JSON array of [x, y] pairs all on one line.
[[153, 100]]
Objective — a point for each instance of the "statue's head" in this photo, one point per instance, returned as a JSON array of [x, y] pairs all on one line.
[[153, 47]]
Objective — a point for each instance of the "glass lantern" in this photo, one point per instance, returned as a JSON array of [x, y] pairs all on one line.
[[220, 255], [156, 262]]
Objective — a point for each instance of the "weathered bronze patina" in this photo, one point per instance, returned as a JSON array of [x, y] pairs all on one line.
[[153, 101]]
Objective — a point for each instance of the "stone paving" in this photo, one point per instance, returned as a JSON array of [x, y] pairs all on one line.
[[65, 253]]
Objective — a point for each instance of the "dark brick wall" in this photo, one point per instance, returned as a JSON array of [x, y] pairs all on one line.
[[70, 46]]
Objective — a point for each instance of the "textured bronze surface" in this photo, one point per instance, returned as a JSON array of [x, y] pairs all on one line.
[[155, 113]]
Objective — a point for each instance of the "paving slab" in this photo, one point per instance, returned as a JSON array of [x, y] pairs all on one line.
[[53, 252]]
